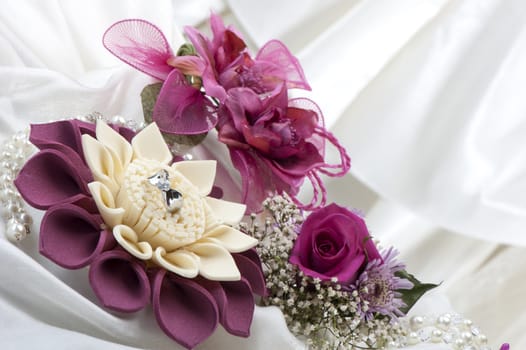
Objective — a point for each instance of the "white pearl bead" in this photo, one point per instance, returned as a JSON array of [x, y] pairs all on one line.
[[443, 321], [482, 338], [15, 231], [6, 178], [459, 343], [412, 338], [468, 323], [416, 322], [467, 336], [119, 120], [436, 335], [6, 194], [25, 218]]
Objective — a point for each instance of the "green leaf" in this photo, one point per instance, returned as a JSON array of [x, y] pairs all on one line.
[[188, 140], [149, 97], [411, 296], [186, 49]]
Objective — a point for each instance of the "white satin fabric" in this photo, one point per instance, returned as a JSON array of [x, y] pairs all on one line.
[[425, 94]]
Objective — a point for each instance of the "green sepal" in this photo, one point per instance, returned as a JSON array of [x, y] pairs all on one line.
[[411, 296], [149, 97], [186, 49]]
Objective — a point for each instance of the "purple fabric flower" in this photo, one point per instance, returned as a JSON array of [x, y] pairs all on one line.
[[378, 287], [73, 235], [333, 242], [229, 65], [275, 143], [505, 346]]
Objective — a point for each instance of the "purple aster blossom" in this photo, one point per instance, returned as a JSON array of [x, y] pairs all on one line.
[[378, 287]]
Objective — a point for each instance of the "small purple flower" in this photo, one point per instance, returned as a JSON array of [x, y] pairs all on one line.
[[505, 346], [378, 287]]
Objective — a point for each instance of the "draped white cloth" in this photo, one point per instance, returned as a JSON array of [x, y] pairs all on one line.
[[425, 94]]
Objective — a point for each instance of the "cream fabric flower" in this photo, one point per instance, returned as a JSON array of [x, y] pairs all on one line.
[[196, 239]]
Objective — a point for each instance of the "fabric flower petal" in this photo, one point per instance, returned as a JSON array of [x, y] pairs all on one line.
[[58, 135], [233, 240], [106, 204], [184, 310], [237, 315], [49, 178], [141, 45], [235, 303], [200, 172], [72, 237], [116, 142], [230, 213], [101, 162], [119, 281], [129, 240], [181, 262], [149, 144], [278, 54], [182, 109], [215, 262], [251, 271]]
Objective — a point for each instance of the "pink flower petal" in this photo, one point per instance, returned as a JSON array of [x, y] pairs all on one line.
[[140, 44], [72, 237], [277, 53], [50, 178], [120, 281], [250, 268], [185, 310], [183, 109]]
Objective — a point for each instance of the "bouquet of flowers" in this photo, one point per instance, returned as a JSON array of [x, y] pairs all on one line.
[[152, 226]]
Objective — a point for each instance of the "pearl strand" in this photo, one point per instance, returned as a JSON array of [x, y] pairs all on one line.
[[13, 154], [447, 328]]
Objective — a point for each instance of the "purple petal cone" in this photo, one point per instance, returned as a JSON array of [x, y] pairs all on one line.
[[50, 178], [120, 281], [71, 236], [62, 132], [185, 310], [251, 271], [238, 311]]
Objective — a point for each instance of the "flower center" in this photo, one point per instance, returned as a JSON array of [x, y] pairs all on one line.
[[379, 291], [152, 206]]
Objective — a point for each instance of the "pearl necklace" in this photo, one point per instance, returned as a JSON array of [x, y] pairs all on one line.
[[13, 154]]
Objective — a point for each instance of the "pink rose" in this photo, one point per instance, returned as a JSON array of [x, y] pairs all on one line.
[[333, 242]]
